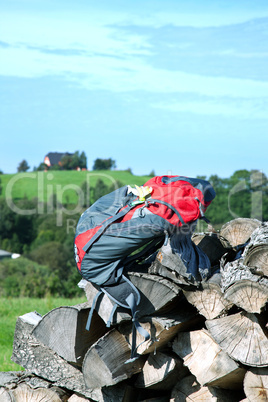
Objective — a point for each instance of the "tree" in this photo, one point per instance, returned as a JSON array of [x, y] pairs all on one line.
[[71, 162], [83, 160], [41, 167], [66, 162], [23, 166], [104, 164], [100, 190]]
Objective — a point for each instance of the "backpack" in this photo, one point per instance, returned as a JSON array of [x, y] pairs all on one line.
[[124, 221]]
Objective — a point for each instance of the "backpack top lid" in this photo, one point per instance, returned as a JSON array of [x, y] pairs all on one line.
[[189, 196], [203, 185]]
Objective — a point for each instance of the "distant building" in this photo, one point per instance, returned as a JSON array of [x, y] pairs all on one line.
[[54, 158], [7, 254]]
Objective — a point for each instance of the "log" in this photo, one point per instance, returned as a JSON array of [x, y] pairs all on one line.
[[77, 398], [235, 271], [188, 390], [108, 361], [40, 360], [105, 305], [250, 296], [161, 371], [9, 377], [157, 294], [25, 393], [209, 300], [257, 259], [239, 230], [256, 251], [63, 330], [170, 264], [4, 395], [162, 329], [160, 398], [24, 386], [11, 380], [256, 384], [214, 245], [207, 361], [158, 268], [241, 336]]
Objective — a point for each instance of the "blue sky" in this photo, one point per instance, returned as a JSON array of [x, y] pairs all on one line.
[[177, 87]]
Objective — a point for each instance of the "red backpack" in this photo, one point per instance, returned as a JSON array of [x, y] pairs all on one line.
[[167, 203], [179, 199]]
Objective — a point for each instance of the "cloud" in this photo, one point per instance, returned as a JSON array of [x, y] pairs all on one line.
[[234, 51], [239, 108], [57, 51], [4, 44], [121, 72], [225, 67]]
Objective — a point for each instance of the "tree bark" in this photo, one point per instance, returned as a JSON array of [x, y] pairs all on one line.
[[242, 337], [235, 271], [37, 358], [63, 330], [206, 361], [256, 251]]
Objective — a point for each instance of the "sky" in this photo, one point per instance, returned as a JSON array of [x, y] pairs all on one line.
[[174, 87]]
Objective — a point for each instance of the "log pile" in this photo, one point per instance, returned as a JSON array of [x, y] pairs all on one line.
[[207, 342]]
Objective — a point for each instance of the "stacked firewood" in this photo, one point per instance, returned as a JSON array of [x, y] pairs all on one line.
[[207, 342]]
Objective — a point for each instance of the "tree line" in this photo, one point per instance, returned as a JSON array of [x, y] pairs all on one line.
[[73, 161], [47, 265]]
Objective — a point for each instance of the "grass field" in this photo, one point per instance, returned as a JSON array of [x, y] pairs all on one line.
[[10, 310], [65, 184]]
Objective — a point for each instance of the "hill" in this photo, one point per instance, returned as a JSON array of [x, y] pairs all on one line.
[[65, 184]]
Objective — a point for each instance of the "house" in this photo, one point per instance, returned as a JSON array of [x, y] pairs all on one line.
[[7, 254], [54, 158]]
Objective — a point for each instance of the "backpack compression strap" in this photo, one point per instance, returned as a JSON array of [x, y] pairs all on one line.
[[130, 302], [155, 201], [108, 222], [124, 211], [136, 326]]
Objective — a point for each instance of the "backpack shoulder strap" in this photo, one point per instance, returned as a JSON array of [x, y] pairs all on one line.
[[108, 222], [153, 200]]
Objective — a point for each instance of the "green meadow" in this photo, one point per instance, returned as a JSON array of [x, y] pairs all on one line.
[[65, 183], [11, 309]]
